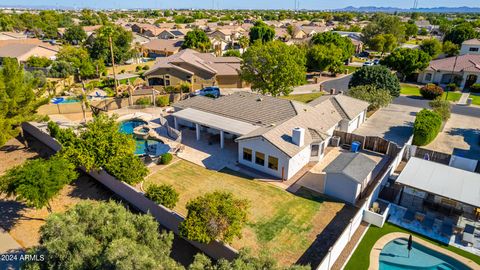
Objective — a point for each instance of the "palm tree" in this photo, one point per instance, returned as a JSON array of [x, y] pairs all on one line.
[[107, 31]]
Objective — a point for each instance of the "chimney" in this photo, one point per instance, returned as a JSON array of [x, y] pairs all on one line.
[[332, 91], [298, 136]]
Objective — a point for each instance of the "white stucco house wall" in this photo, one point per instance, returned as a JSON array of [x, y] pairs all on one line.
[[274, 136], [471, 46]]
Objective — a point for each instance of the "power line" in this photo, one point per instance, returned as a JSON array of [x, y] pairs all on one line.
[[415, 4]]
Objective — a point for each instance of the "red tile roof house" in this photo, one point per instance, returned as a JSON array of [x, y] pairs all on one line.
[[464, 69]]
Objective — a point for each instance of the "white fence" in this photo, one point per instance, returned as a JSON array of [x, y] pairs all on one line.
[[166, 217]]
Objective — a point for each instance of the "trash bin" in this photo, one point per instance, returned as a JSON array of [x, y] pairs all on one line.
[[355, 147]]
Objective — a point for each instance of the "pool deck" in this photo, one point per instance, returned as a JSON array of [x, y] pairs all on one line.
[[377, 249]]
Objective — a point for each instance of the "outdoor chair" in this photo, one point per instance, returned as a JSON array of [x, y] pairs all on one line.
[[468, 234]]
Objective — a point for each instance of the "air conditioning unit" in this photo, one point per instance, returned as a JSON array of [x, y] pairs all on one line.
[[335, 141]]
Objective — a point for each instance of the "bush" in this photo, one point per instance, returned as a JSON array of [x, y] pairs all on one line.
[[170, 89], [376, 97], [146, 67], [379, 76], [475, 88], [426, 127], [452, 87], [442, 107], [166, 158], [110, 92], [162, 101], [431, 91], [143, 101], [138, 68], [164, 194]]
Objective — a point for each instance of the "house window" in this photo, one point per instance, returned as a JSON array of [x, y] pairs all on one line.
[[315, 150], [247, 154], [272, 163], [475, 49], [428, 77], [167, 82], [260, 158], [167, 76]]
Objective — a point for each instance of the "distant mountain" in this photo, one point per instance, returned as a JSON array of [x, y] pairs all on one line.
[[394, 9]]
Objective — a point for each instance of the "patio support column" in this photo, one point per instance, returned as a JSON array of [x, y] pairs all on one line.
[[222, 139], [197, 131], [175, 122]]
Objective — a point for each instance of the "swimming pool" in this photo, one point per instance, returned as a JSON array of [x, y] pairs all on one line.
[[62, 100], [152, 147], [394, 256]]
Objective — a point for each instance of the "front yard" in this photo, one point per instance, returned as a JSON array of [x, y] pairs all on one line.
[[281, 224], [360, 259], [412, 90], [475, 98], [305, 98]]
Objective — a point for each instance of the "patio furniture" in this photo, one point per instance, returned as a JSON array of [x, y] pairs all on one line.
[[468, 234], [428, 223], [419, 217], [409, 216]]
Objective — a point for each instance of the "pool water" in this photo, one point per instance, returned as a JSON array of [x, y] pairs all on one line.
[[64, 100], [394, 256], [127, 127]]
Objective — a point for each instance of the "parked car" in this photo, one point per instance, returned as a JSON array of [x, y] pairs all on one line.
[[210, 91], [368, 64], [376, 62]]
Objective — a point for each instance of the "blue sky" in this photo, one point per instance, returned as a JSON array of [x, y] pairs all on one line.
[[238, 4]]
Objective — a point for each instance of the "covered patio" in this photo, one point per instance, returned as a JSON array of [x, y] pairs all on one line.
[[441, 202]]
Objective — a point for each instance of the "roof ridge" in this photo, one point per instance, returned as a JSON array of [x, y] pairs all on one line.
[[340, 106]]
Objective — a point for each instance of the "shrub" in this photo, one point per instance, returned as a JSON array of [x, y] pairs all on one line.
[[431, 91], [442, 107], [164, 194], [376, 97], [146, 67], [475, 88], [143, 101], [166, 158], [426, 127], [170, 89], [379, 76], [162, 101], [138, 68], [452, 87], [110, 92]]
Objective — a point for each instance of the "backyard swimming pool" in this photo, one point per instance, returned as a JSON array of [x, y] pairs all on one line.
[[394, 256], [143, 146], [61, 100]]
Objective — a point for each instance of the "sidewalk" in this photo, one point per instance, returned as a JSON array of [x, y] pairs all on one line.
[[463, 99], [8, 245]]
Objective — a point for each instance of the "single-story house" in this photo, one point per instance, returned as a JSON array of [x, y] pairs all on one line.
[[25, 48], [348, 175], [172, 34], [12, 35], [198, 69], [471, 46], [146, 29], [463, 70], [161, 47], [275, 136]]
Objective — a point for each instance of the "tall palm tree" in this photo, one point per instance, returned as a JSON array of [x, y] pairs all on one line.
[[107, 32]]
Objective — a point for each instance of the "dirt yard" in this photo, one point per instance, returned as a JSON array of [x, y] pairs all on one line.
[[22, 222]]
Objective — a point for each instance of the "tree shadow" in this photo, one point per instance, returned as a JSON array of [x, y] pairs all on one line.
[[471, 137], [399, 134], [314, 255], [12, 212]]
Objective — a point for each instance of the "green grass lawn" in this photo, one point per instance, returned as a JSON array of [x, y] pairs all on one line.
[[280, 223], [305, 98], [360, 259], [475, 98], [452, 96], [409, 90], [351, 69]]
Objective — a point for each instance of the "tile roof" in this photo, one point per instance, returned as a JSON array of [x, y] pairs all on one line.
[[356, 166], [170, 45], [474, 41], [19, 49], [467, 62], [347, 107]]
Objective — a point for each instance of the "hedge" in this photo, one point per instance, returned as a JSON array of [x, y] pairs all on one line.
[[143, 101], [162, 101], [475, 88], [164, 194], [426, 127], [166, 158], [431, 91]]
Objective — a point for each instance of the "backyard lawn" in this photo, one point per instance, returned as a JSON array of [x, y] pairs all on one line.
[[305, 98], [412, 90], [281, 224], [360, 259]]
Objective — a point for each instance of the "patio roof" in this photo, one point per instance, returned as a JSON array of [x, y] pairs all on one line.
[[456, 184], [216, 121]]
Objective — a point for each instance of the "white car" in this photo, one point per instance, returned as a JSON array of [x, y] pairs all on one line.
[[368, 64]]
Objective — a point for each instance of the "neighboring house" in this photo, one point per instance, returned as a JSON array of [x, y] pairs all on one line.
[[471, 46], [425, 24], [172, 34], [198, 69], [275, 136], [161, 47], [145, 29], [12, 36], [89, 30], [355, 37], [352, 110], [463, 70], [348, 175], [23, 49]]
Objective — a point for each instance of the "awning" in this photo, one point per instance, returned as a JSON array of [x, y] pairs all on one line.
[[215, 121], [456, 184]]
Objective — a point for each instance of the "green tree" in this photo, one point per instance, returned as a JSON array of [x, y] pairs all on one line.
[[379, 76], [214, 216], [450, 49], [80, 60], [411, 30], [406, 61], [197, 39], [75, 35], [61, 69], [442, 108], [37, 181], [38, 62], [165, 195], [431, 46], [426, 127], [273, 68], [99, 46], [383, 43], [101, 145], [343, 43], [18, 98], [102, 236], [460, 33], [325, 57], [232, 52], [384, 24], [376, 97], [261, 31]]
